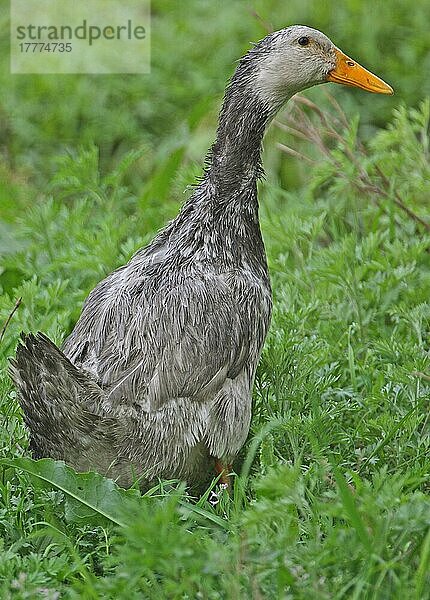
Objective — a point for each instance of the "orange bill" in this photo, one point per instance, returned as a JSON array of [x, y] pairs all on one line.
[[348, 72]]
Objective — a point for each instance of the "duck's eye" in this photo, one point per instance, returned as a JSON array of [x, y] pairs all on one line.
[[304, 40]]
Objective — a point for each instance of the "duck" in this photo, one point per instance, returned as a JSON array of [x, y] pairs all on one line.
[[155, 380]]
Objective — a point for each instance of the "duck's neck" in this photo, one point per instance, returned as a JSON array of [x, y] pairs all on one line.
[[235, 157], [219, 221], [224, 206]]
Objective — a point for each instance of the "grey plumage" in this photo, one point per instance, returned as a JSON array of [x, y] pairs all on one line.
[[155, 379]]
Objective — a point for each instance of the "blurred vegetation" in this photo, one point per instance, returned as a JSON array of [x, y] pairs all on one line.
[[332, 500], [194, 46]]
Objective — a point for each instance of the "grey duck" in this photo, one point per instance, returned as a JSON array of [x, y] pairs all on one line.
[[155, 379]]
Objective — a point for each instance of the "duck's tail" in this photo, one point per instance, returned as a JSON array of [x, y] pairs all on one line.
[[61, 404]]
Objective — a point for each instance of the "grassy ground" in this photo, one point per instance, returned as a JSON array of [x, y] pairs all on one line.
[[332, 498]]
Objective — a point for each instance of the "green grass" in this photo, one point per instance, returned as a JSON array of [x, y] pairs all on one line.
[[331, 499]]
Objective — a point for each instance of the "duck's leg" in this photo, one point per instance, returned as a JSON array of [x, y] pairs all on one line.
[[224, 470]]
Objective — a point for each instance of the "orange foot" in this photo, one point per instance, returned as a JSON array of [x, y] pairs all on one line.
[[224, 470]]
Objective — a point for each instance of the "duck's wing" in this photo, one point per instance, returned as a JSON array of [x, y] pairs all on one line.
[[186, 350], [152, 348]]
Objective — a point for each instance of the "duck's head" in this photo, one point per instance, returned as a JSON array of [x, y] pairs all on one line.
[[282, 64], [299, 57]]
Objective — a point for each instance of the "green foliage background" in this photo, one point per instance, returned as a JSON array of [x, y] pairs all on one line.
[[333, 498]]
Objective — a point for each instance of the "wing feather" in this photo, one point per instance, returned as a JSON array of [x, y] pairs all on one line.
[[167, 342]]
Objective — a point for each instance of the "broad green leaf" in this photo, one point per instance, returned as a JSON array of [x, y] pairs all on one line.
[[88, 496]]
